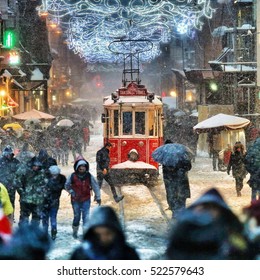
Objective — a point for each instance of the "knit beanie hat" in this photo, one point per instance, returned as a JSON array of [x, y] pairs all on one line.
[[54, 170]]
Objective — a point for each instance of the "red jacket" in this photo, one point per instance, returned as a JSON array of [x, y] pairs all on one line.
[[81, 188]]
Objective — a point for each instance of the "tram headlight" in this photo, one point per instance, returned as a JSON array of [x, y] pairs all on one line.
[[150, 96], [114, 96]]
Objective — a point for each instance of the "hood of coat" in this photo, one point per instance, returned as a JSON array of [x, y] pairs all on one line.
[[43, 155], [80, 162], [214, 198], [196, 236], [211, 196], [104, 216]]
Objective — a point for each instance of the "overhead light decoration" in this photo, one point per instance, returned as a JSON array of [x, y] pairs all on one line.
[[91, 25]]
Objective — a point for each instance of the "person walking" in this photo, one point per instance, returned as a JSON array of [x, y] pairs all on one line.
[[5, 203], [252, 165], [25, 155], [203, 232], [79, 184], [32, 189], [65, 148], [86, 134], [103, 161], [104, 238], [177, 185], [55, 185], [254, 184], [237, 164], [214, 149], [46, 159], [8, 167]]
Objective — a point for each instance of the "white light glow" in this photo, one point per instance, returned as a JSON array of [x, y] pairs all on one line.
[[91, 25]]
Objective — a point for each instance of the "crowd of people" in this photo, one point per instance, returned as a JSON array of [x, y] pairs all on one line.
[[60, 142], [38, 180], [207, 229]]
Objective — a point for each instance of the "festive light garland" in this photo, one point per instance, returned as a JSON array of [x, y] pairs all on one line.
[[91, 25]]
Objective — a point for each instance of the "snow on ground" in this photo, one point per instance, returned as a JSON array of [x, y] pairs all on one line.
[[145, 227]]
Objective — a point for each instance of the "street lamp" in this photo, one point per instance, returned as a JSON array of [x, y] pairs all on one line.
[[213, 86], [2, 92], [173, 93]]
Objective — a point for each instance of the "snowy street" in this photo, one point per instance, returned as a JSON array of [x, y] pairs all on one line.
[[145, 226]]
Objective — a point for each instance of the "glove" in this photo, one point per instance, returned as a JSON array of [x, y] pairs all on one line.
[[98, 201], [72, 193]]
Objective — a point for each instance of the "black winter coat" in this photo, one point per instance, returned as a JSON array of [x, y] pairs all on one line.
[[91, 249], [178, 178], [54, 189], [236, 163], [102, 158], [8, 169]]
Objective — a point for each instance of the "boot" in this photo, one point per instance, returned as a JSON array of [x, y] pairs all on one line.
[[115, 196], [53, 233], [75, 231], [118, 198]]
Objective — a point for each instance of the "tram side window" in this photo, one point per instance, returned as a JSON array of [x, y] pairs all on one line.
[[116, 123], [151, 123], [127, 123], [139, 122], [157, 123]]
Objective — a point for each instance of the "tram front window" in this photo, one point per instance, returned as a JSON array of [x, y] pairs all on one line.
[[140, 123], [127, 123]]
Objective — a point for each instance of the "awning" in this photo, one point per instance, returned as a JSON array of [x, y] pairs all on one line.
[[11, 73], [221, 122], [33, 114], [16, 83]]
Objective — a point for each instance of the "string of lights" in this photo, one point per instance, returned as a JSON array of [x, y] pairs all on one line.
[[91, 25]]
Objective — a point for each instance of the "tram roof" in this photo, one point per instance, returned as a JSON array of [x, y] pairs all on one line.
[[132, 99]]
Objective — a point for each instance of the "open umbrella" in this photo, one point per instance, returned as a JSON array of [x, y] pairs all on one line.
[[172, 154], [14, 126], [65, 123], [34, 114]]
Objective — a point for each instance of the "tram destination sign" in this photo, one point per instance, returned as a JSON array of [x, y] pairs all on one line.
[[133, 90]]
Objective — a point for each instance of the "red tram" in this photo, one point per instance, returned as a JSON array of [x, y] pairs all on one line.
[[133, 124]]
